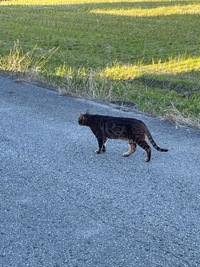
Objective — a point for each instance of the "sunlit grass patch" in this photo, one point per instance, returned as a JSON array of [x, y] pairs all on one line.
[[75, 2], [148, 12], [174, 66], [60, 2], [171, 67]]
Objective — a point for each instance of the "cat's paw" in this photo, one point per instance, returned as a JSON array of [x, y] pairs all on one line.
[[125, 154]]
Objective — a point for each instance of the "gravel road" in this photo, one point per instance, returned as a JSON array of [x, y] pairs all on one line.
[[63, 205]]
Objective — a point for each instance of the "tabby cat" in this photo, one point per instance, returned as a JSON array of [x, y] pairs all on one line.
[[128, 129]]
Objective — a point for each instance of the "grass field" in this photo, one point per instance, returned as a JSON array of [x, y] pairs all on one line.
[[142, 51]]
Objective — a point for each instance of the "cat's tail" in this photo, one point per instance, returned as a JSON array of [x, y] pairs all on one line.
[[153, 142]]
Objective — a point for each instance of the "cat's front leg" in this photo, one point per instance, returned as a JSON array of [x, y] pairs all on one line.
[[104, 145], [101, 144]]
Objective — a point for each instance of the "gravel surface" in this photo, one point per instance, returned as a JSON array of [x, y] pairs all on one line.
[[63, 205]]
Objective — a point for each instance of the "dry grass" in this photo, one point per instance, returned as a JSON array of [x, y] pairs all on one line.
[[173, 115]]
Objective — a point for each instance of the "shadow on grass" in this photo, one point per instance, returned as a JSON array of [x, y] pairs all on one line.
[[178, 83]]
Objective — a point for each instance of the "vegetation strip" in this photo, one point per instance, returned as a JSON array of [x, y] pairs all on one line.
[[142, 51]]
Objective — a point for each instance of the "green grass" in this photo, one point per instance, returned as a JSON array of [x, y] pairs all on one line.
[[144, 51]]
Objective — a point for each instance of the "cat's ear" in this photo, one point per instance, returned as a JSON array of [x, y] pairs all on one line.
[[87, 111]]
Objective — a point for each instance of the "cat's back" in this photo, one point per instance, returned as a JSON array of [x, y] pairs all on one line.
[[119, 120]]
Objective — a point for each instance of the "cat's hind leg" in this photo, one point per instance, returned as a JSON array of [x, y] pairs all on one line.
[[143, 144], [131, 150]]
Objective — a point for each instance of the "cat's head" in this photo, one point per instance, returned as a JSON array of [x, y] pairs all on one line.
[[82, 120]]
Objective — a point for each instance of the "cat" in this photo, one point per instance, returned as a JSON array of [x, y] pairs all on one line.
[[128, 129]]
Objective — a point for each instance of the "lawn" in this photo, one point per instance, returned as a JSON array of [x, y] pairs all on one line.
[[142, 51]]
